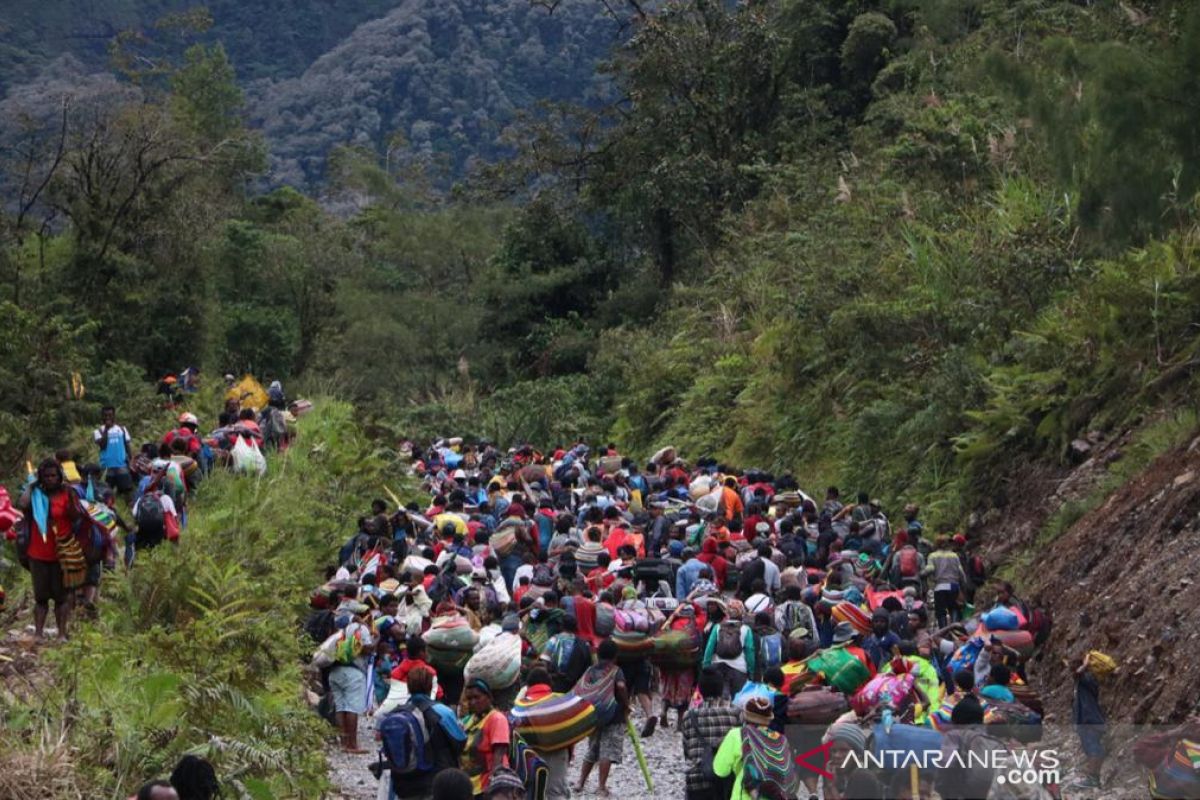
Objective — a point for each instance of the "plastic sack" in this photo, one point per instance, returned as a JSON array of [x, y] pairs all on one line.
[[249, 392], [839, 669], [897, 689], [752, 689], [966, 656], [247, 457], [498, 662], [1001, 619]]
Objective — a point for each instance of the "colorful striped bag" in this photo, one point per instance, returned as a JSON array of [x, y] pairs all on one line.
[[553, 722]]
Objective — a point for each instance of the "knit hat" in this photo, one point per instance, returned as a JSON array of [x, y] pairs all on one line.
[[848, 734], [758, 711], [503, 778], [511, 623]]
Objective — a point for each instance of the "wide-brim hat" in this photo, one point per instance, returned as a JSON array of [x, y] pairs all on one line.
[[844, 632]]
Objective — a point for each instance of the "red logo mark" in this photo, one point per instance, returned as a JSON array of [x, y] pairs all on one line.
[[802, 760]]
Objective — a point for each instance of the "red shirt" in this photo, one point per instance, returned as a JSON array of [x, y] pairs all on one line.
[[400, 672], [585, 619], [599, 579], [616, 538], [44, 549], [538, 691], [193, 441], [719, 567]]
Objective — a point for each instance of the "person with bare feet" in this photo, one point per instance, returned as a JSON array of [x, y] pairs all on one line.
[[606, 744], [351, 653], [51, 510]]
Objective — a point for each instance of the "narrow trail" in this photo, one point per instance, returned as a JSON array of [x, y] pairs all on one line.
[[351, 779]]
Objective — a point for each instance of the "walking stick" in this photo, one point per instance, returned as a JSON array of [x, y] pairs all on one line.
[[641, 757]]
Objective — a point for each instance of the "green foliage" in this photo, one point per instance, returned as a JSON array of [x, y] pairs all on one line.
[[546, 411], [197, 649], [206, 93], [1120, 130], [865, 47], [37, 359]]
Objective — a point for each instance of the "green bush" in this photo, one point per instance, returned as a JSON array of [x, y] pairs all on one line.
[[198, 649]]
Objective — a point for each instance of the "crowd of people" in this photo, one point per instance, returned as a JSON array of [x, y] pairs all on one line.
[[537, 616], [68, 527], [536, 601]]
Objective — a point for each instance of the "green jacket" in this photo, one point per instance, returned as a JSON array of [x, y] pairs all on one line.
[[728, 761], [749, 648]]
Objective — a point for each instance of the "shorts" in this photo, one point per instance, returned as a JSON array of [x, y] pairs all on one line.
[[47, 582], [1091, 737], [119, 479], [637, 676], [606, 744], [348, 689]]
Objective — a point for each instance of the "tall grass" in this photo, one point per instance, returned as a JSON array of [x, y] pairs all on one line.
[[197, 650]]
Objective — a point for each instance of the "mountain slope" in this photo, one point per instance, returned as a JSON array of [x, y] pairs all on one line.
[[447, 75], [265, 38]]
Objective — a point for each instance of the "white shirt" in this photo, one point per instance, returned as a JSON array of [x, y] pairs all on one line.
[[168, 505], [771, 575], [738, 663], [758, 602]]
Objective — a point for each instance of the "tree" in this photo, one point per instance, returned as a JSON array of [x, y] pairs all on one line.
[[1121, 124]]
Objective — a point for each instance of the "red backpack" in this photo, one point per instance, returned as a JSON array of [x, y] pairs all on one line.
[[909, 564]]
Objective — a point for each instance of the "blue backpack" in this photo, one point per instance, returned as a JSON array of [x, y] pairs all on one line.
[[405, 742], [770, 649]]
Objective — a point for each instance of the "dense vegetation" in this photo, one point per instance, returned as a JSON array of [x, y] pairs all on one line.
[[435, 82], [910, 246], [197, 651], [905, 245]]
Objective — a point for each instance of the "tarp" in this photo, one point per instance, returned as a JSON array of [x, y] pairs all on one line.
[[249, 392]]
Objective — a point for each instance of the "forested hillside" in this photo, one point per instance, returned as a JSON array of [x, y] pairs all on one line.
[[933, 250], [438, 82], [961, 232]]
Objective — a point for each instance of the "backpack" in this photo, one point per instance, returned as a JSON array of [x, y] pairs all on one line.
[[444, 585], [274, 425], [606, 620], [320, 625], [908, 561], [768, 769], [977, 569], [405, 742], [150, 515], [348, 648], [770, 648], [1040, 623], [560, 656], [542, 575], [729, 639], [794, 614]]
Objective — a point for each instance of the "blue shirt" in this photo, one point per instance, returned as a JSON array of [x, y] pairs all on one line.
[[113, 452], [450, 723], [879, 648], [994, 691], [687, 576]]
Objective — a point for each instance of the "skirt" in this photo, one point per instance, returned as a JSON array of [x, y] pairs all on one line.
[[677, 687]]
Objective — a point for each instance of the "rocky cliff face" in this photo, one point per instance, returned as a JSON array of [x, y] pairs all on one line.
[[1121, 578]]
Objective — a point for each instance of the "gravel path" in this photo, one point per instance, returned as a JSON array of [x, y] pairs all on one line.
[[664, 753]]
